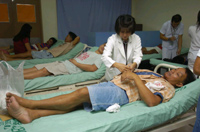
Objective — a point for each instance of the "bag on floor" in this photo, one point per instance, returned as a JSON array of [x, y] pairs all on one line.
[[11, 80]]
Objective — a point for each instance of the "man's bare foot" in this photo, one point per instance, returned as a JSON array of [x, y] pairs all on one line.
[[21, 101], [15, 110]]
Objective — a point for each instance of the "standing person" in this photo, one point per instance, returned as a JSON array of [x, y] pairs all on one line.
[[171, 34], [123, 49], [22, 40], [194, 33], [196, 70], [196, 67]]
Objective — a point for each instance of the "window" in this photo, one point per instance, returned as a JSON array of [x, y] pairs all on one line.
[[4, 17], [26, 13]]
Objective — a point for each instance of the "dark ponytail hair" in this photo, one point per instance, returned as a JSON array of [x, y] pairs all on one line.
[[24, 33]]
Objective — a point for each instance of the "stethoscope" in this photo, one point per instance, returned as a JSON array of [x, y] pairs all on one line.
[[125, 49], [173, 31]]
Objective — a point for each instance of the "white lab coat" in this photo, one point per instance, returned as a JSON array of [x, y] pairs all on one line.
[[114, 52]]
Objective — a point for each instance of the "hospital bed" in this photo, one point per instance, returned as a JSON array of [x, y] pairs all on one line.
[[159, 55], [132, 117], [149, 61], [65, 82], [71, 54]]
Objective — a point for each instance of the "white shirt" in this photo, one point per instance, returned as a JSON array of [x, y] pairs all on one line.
[[194, 45], [169, 31], [114, 52], [195, 38], [198, 54]]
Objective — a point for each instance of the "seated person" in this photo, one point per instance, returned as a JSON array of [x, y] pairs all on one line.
[[88, 61], [70, 41], [44, 46], [123, 89], [152, 50]]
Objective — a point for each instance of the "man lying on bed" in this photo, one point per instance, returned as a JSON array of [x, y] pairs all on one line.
[[70, 42], [144, 85], [152, 50], [88, 61]]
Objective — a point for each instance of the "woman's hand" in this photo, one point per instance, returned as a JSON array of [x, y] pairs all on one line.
[[121, 67], [131, 66]]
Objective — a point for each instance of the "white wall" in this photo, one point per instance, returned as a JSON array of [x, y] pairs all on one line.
[[153, 13], [49, 19]]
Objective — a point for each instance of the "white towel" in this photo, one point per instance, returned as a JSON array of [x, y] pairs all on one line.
[[156, 85], [113, 108]]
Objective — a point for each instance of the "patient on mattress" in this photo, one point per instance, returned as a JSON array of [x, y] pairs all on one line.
[[88, 61], [70, 42], [152, 50], [144, 85]]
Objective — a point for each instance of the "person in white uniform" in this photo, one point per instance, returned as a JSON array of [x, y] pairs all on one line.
[[171, 34], [194, 33], [123, 49]]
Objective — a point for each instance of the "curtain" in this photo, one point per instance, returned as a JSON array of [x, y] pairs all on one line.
[[85, 16]]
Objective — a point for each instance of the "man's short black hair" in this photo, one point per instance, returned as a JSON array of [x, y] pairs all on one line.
[[73, 35], [53, 39], [190, 76], [176, 18], [125, 21]]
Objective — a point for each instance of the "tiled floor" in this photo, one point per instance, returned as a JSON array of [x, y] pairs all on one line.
[[187, 128]]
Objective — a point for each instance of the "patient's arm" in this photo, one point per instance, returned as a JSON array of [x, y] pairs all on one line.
[[145, 51], [85, 67], [197, 66], [76, 40], [40, 48], [146, 95]]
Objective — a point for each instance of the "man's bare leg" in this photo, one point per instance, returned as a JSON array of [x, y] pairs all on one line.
[[20, 56], [62, 102], [26, 115], [33, 69], [39, 73]]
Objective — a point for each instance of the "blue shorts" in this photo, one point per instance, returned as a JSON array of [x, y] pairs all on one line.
[[41, 54], [105, 94]]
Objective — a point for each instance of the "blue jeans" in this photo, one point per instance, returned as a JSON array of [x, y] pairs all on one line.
[[41, 54], [197, 123]]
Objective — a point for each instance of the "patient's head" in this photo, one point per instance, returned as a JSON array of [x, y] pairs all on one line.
[[70, 37], [51, 41], [101, 49], [179, 77]]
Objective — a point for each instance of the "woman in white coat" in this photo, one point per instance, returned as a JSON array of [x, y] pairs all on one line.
[[194, 33], [123, 49]]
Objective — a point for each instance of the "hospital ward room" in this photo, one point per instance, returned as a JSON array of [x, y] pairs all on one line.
[[99, 66]]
